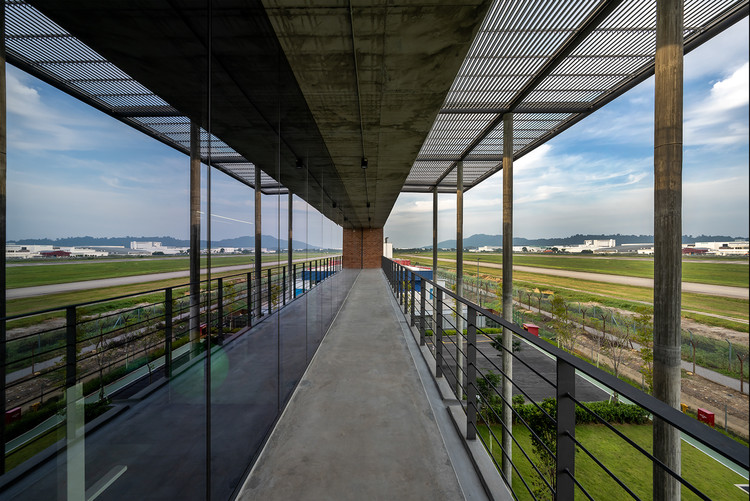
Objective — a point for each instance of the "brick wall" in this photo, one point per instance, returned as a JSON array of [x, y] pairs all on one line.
[[363, 248]]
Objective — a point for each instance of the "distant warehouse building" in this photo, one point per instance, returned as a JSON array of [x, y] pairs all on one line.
[[55, 253], [694, 251]]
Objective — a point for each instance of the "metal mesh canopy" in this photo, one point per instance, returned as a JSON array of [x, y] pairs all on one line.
[[550, 63], [39, 46]]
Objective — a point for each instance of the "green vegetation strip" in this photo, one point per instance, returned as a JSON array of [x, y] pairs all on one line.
[[623, 296], [716, 273], [630, 466], [32, 275]]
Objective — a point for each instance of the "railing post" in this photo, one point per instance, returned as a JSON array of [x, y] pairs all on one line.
[[249, 299], [268, 290], [168, 332], [70, 346], [471, 376], [405, 293], [283, 280], [293, 292], [400, 280], [421, 311], [413, 283], [566, 422], [220, 286], [439, 334]]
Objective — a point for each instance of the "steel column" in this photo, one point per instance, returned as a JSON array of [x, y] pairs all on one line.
[[421, 311], [249, 299], [668, 88], [258, 272], [220, 297], [194, 321], [168, 332], [268, 289], [566, 430], [71, 328], [471, 375], [413, 283], [3, 227], [507, 414], [439, 334], [290, 250], [459, 277]]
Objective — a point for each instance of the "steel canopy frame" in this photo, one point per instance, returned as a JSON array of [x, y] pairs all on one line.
[[43, 49], [549, 74]]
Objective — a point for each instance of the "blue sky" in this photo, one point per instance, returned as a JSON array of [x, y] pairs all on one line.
[[74, 171], [597, 176]]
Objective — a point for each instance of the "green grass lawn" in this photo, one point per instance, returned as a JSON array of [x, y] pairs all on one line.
[[28, 276], [705, 272], [633, 469]]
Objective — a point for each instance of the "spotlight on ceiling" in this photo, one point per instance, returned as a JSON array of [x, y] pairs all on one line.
[[299, 164], [334, 205], [364, 163], [368, 205]]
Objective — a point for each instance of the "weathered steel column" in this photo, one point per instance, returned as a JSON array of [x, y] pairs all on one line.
[[507, 294], [3, 227], [290, 250], [667, 237], [195, 235], [434, 233], [258, 289], [434, 252], [459, 277]]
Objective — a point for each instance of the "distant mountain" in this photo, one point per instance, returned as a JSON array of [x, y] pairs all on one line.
[[267, 241], [480, 240]]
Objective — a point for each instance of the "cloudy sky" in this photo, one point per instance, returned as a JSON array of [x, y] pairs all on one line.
[[74, 171], [597, 177]]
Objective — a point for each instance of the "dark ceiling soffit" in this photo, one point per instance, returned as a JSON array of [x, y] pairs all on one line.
[[552, 108], [605, 8], [720, 23]]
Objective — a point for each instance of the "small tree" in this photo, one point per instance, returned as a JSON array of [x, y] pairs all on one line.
[[616, 347], [544, 447], [644, 336], [561, 322], [487, 391]]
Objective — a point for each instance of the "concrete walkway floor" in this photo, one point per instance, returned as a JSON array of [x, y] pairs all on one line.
[[360, 425]]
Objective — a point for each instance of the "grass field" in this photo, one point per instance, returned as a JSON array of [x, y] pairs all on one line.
[[703, 272], [31, 275], [620, 296], [626, 463]]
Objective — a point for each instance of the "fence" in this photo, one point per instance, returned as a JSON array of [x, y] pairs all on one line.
[[547, 464], [108, 345]]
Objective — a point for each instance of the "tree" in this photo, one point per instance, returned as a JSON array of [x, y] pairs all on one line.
[[616, 346], [561, 323], [489, 397], [644, 336], [543, 432]]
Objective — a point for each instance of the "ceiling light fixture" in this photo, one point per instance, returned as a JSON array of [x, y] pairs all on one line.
[[364, 163], [299, 164]]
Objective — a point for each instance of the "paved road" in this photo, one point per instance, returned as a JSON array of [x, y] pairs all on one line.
[[709, 289], [43, 290]]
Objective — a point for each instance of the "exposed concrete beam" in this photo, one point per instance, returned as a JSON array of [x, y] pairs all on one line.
[[667, 238]]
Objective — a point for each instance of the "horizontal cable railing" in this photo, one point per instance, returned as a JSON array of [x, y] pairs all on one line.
[[453, 329], [109, 344]]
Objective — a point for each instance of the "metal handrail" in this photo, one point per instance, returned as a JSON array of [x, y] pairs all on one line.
[[398, 274]]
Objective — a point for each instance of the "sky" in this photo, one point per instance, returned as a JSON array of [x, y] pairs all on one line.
[[74, 171], [597, 176]]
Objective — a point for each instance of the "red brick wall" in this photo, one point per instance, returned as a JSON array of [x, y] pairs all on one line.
[[363, 248]]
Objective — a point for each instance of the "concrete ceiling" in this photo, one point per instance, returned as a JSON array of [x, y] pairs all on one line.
[[324, 82]]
